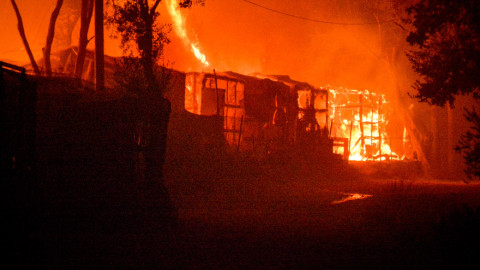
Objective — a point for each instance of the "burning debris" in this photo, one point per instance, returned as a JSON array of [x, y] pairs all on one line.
[[351, 197], [262, 113], [361, 117]]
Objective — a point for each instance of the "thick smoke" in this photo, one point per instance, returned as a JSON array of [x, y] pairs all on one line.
[[245, 38], [236, 35]]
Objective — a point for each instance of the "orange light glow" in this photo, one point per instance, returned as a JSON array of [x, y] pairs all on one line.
[[375, 142], [180, 29], [352, 197]]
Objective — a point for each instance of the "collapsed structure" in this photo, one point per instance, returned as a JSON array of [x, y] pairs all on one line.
[[263, 113], [361, 119], [359, 125]]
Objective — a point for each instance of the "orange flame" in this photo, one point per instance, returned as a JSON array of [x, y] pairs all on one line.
[[180, 29], [376, 142]]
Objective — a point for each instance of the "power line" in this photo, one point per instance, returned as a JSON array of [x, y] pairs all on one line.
[[310, 19]]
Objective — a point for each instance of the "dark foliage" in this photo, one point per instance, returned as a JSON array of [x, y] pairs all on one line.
[[447, 36], [130, 77], [189, 3], [141, 35], [447, 57], [469, 144]]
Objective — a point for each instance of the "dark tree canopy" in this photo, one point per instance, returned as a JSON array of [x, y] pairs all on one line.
[[446, 37], [142, 37], [189, 3], [469, 144]]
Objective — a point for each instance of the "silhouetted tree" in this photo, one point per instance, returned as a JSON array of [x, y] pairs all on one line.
[[446, 55], [99, 47], [469, 144], [85, 18], [21, 31], [142, 37], [50, 35], [447, 36]]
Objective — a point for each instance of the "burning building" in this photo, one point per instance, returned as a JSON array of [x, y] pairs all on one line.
[[361, 119], [260, 113], [263, 112]]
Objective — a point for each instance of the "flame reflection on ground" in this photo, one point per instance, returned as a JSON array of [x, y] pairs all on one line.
[[351, 197]]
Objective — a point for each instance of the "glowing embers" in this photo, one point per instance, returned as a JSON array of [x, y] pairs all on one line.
[[362, 118], [351, 197], [180, 29]]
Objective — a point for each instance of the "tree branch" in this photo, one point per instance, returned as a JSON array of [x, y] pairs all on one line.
[[21, 31], [86, 17], [154, 7], [50, 35]]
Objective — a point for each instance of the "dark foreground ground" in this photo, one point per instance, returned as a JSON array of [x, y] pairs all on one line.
[[293, 221], [86, 206], [261, 220]]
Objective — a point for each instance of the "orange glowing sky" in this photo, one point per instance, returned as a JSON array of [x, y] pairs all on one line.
[[241, 37]]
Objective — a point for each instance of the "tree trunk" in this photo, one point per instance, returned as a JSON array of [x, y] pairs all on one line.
[[50, 35], [147, 60], [435, 157], [86, 16], [99, 46], [21, 31], [450, 143], [147, 45]]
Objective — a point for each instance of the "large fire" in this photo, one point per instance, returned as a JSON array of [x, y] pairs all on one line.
[[360, 116], [180, 29], [357, 117]]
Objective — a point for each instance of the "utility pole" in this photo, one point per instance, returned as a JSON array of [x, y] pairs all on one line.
[[99, 47]]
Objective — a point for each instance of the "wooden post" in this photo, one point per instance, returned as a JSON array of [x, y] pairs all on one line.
[[240, 134], [216, 91], [361, 125], [371, 128], [379, 112], [326, 114], [99, 47], [331, 127], [350, 139]]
